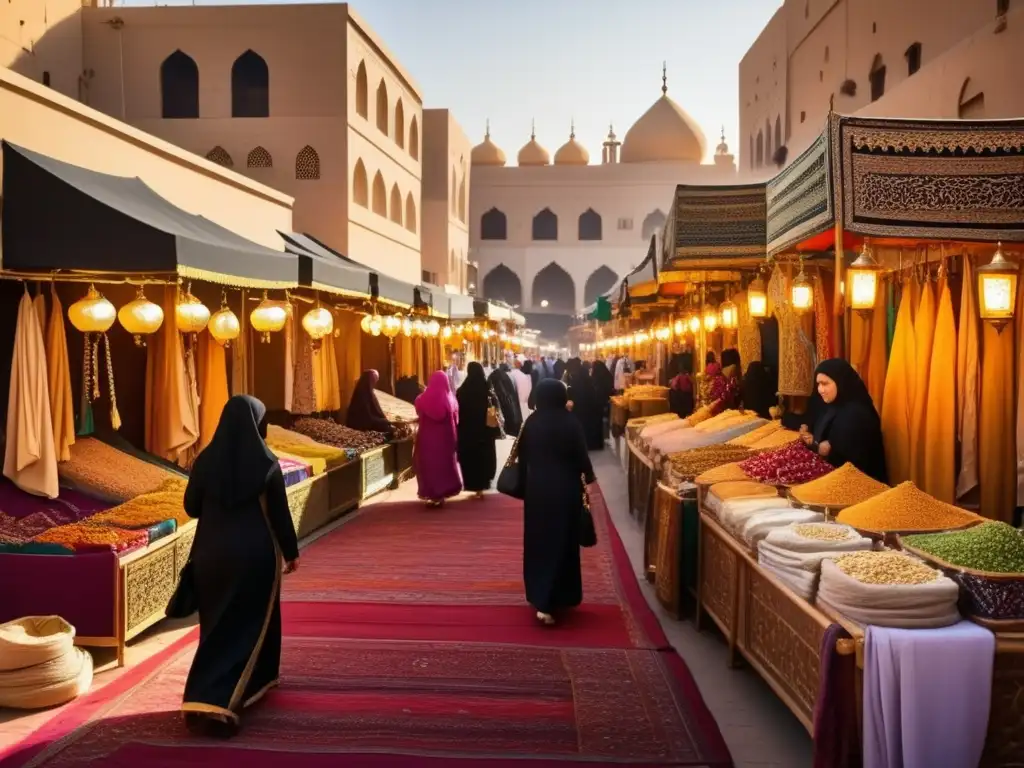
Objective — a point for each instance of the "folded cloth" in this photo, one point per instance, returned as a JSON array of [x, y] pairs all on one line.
[[760, 525], [835, 733], [34, 640], [803, 584], [927, 694], [49, 684]]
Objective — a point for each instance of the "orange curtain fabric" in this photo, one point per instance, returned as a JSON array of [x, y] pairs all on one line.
[[898, 398], [939, 442], [924, 337], [997, 453], [213, 386], [968, 366], [58, 379], [348, 353]]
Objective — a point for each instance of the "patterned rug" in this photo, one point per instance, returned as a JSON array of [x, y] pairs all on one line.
[[401, 683]]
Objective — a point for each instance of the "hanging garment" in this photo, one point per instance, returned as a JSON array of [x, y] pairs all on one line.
[[898, 398], [939, 442], [213, 386], [58, 379], [30, 459], [967, 385], [924, 336], [877, 352], [997, 455]]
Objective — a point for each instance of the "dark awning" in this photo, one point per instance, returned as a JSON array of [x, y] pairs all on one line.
[[320, 269], [58, 216]]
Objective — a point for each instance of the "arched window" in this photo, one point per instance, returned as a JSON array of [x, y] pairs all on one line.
[[362, 92], [220, 156], [462, 200], [589, 225], [250, 86], [455, 194], [877, 78], [759, 154], [396, 204], [971, 104], [400, 124], [380, 196], [179, 87], [601, 281], [778, 132], [259, 158], [545, 225], [751, 154], [307, 164], [493, 225], [767, 141], [414, 139], [554, 286], [410, 213], [382, 107], [654, 223], [502, 284], [360, 185]]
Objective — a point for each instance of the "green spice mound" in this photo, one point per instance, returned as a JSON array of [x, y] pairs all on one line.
[[994, 547]]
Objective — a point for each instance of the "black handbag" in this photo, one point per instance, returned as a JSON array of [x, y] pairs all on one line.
[[185, 600], [588, 533], [510, 479]]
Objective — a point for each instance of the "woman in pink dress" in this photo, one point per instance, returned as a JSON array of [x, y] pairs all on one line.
[[436, 461]]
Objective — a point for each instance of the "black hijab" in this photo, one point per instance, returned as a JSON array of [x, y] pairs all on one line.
[[710, 358], [235, 466], [476, 381], [551, 395], [364, 411], [850, 423], [604, 382], [559, 369], [731, 356], [758, 390]]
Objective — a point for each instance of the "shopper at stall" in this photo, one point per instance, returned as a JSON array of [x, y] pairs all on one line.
[[505, 392], [435, 460], [847, 427], [477, 455], [681, 387], [364, 411], [586, 409], [553, 466], [237, 492], [758, 390]]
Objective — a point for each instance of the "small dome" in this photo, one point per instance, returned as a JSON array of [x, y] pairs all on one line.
[[533, 153], [487, 152], [722, 148], [572, 152], [664, 133]]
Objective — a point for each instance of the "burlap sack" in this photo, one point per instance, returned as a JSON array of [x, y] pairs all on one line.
[[734, 514], [801, 582], [33, 640], [788, 539]]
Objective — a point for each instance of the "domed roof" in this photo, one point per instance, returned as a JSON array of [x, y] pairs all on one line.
[[572, 152], [487, 152], [533, 153], [664, 133]]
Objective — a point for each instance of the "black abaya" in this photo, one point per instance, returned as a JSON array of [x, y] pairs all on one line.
[[585, 406], [508, 400], [237, 492], [476, 452], [850, 424], [553, 464]]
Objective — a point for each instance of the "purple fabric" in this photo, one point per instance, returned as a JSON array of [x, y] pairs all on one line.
[[927, 694], [80, 588], [294, 472], [836, 738], [69, 507], [435, 461]]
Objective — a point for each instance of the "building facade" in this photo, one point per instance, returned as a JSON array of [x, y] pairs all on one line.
[[446, 175], [942, 59]]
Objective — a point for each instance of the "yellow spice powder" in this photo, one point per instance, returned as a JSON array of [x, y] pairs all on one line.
[[754, 435], [723, 474], [743, 489], [777, 439], [905, 508], [843, 487]]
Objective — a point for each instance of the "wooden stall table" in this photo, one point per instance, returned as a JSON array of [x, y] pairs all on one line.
[[673, 554]]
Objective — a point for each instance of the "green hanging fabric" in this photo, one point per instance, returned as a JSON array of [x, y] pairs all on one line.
[[603, 311]]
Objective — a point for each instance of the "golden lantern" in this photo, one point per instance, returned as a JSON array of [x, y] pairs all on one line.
[[730, 315], [862, 280], [710, 320], [693, 322], [190, 314], [757, 298], [364, 323], [376, 325], [419, 327], [997, 289], [318, 323], [802, 292], [446, 332], [433, 329], [93, 313], [141, 317], [392, 325], [679, 327], [407, 327], [269, 317], [224, 325]]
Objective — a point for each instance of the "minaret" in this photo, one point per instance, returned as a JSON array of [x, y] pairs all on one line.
[[723, 158], [610, 148], [664, 78]]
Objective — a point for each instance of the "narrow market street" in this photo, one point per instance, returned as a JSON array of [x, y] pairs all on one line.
[[372, 620]]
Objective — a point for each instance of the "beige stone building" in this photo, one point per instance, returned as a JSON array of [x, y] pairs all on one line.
[[944, 59], [446, 172]]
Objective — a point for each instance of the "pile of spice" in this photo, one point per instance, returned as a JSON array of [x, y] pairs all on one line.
[[331, 433], [765, 430], [743, 489], [689, 464], [885, 567], [105, 472], [778, 439], [86, 536], [844, 487], [993, 546], [723, 474], [791, 465], [144, 511], [289, 442], [905, 508], [699, 416]]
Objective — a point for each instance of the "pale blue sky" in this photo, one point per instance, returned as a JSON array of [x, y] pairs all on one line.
[[595, 61]]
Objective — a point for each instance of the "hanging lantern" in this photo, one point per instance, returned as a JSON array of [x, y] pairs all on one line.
[[862, 277], [802, 292], [318, 323], [269, 317], [446, 332], [693, 322], [757, 298], [419, 327], [730, 315], [679, 327], [392, 325], [376, 325], [190, 314], [93, 313], [141, 317], [433, 329], [224, 325], [364, 323], [710, 320], [997, 289], [407, 329]]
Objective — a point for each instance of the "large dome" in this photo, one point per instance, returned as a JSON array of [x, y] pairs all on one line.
[[533, 153], [572, 152], [664, 133], [487, 152]]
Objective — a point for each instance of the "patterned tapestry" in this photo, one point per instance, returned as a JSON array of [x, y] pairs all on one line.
[[800, 198], [719, 226], [940, 180]]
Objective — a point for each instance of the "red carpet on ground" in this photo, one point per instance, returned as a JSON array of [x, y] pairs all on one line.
[[431, 659]]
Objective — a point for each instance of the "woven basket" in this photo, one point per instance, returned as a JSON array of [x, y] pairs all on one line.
[[52, 683], [34, 640]]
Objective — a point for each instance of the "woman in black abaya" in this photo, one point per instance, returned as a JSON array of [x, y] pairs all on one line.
[[505, 392], [846, 427], [553, 466], [477, 456], [585, 406], [364, 411], [245, 534]]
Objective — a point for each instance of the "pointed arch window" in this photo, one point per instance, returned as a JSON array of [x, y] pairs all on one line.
[[380, 196], [414, 139], [653, 224], [250, 86], [360, 185], [545, 225], [410, 213], [179, 87], [462, 200], [382, 107], [307, 164], [877, 78], [493, 225], [396, 204], [400, 124], [362, 92], [220, 156], [259, 158], [589, 225]]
